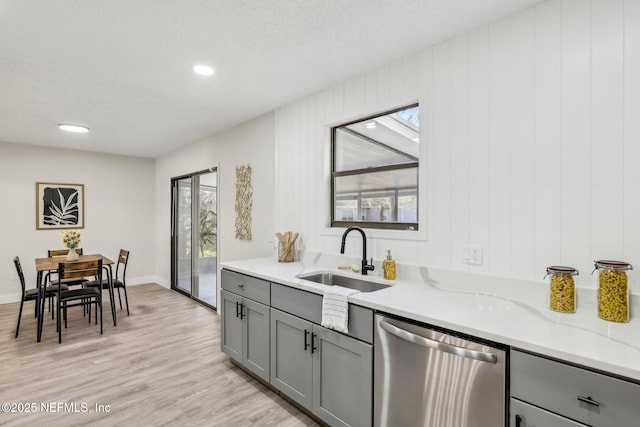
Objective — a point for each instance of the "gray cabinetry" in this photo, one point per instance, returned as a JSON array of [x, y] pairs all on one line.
[[525, 415], [572, 392], [231, 325], [273, 331], [342, 379], [291, 358], [245, 322], [325, 371], [308, 306]]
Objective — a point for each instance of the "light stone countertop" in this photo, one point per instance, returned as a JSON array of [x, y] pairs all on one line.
[[508, 311]]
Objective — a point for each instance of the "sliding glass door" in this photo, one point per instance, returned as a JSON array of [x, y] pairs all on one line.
[[194, 236]]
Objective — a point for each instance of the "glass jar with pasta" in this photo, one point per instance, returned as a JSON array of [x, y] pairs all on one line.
[[562, 289], [613, 290]]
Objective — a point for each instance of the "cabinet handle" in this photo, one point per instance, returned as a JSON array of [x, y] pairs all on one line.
[[306, 344], [588, 400], [237, 309], [241, 285], [313, 342], [518, 420], [437, 345], [242, 314]]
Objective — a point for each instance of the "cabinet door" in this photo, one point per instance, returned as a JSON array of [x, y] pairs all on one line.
[[291, 361], [342, 379], [231, 325], [255, 355], [525, 415]]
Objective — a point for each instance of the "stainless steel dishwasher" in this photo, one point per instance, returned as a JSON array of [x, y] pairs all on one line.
[[427, 378]]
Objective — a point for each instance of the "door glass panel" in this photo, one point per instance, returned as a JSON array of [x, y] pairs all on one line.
[[206, 240], [183, 234]]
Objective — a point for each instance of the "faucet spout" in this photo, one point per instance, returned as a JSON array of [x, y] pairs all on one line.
[[365, 267]]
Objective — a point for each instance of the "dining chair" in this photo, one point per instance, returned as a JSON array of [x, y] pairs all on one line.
[[59, 253], [118, 281], [32, 294], [84, 296]]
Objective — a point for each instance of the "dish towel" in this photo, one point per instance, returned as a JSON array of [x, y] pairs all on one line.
[[335, 308]]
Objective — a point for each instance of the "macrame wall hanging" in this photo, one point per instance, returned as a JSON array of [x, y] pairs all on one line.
[[244, 202]]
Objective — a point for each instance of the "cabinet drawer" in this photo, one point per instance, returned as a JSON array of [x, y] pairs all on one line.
[[531, 416], [308, 306], [246, 286], [566, 390]]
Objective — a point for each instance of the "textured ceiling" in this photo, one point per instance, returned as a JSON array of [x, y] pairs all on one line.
[[123, 67]]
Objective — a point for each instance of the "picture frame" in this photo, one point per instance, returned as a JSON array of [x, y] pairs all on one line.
[[59, 206]]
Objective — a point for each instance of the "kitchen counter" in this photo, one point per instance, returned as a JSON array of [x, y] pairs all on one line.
[[509, 311]]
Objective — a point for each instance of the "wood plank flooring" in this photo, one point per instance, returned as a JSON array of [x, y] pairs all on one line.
[[161, 366]]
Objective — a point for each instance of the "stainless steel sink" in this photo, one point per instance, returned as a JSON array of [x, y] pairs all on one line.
[[331, 279]]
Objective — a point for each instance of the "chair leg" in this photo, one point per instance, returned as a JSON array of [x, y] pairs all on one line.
[[59, 322], [126, 299], [99, 301], [20, 316], [119, 299]]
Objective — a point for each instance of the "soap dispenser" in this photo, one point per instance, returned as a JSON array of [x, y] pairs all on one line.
[[389, 267]]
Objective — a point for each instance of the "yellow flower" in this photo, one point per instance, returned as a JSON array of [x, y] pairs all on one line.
[[71, 239]]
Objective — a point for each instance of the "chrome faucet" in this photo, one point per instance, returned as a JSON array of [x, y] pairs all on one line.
[[364, 267]]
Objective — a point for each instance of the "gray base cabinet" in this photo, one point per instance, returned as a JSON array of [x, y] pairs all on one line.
[[342, 379], [273, 331], [546, 392], [245, 333], [325, 371], [231, 325], [291, 358]]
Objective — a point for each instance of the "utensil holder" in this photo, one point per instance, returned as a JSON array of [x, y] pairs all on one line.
[[286, 252]]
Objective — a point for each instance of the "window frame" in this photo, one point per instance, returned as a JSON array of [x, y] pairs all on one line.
[[403, 226]]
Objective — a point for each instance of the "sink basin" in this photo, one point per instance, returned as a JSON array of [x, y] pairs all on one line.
[[331, 279]]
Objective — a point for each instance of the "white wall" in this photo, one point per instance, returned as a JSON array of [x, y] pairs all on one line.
[[250, 143], [118, 209], [533, 143]]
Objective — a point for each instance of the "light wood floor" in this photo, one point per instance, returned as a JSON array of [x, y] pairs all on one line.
[[161, 366]]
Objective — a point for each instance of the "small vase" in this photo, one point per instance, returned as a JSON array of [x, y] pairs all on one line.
[[72, 255]]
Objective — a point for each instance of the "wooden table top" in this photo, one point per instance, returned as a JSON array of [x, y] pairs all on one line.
[[47, 264]]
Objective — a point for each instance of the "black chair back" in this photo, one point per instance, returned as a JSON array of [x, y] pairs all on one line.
[[16, 262], [123, 259]]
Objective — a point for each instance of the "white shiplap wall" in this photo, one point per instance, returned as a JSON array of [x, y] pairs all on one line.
[[531, 128]]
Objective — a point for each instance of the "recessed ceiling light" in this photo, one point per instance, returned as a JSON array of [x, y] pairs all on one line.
[[371, 125], [73, 128], [203, 70]]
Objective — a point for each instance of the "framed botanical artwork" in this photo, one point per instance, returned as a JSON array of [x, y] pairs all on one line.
[[59, 205]]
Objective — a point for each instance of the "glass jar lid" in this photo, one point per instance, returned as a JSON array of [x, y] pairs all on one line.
[[559, 269], [612, 265]]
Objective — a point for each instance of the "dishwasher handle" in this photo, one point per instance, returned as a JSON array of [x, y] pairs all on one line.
[[437, 345]]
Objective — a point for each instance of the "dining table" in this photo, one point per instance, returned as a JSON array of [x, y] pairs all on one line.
[[50, 264]]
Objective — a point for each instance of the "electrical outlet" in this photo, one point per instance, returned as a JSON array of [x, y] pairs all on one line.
[[472, 254]]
